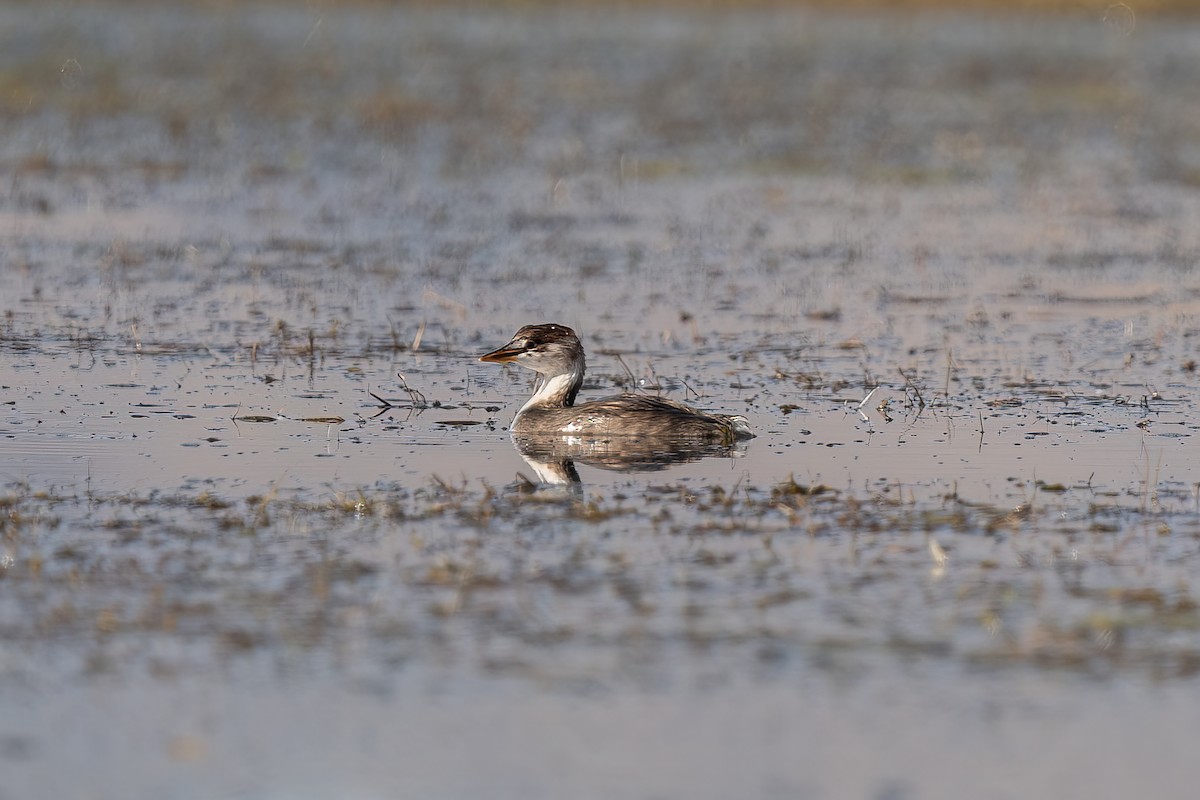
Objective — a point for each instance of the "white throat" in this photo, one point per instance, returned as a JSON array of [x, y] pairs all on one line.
[[551, 392]]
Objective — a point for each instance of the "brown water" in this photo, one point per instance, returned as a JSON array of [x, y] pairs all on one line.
[[226, 570]]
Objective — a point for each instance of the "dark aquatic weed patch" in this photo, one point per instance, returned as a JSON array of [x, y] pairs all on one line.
[[810, 572]]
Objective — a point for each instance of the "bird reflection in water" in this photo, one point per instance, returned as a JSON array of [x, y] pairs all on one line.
[[553, 458]]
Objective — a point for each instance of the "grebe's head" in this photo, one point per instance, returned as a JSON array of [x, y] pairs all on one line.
[[547, 349]]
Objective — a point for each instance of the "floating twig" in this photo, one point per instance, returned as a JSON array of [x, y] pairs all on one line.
[[414, 395], [628, 371], [236, 418], [322, 420], [864, 402], [909, 383], [938, 554]]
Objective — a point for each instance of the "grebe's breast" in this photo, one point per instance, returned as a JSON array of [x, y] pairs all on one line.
[[633, 415]]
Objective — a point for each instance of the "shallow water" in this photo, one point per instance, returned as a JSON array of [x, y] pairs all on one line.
[[944, 264]]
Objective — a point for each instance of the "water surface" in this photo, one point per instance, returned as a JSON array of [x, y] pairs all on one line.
[[944, 264]]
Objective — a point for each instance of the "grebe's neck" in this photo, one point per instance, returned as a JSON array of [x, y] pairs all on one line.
[[557, 390]]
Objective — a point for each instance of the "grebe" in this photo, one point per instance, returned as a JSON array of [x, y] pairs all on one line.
[[554, 352]]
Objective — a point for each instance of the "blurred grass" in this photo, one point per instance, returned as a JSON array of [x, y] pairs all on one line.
[[1146, 6], [882, 96], [1054, 6], [1051, 6]]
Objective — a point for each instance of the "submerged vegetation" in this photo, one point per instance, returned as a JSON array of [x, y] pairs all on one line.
[[807, 571]]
